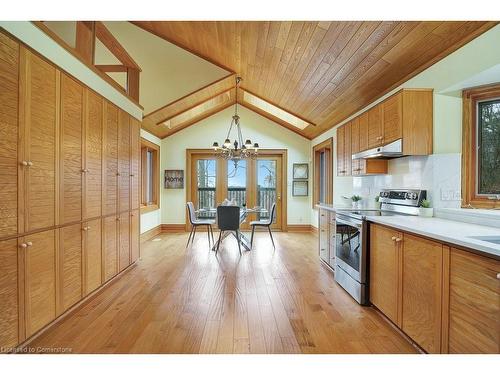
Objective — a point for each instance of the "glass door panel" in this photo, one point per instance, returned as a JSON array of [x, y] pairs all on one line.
[[266, 186], [237, 181], [206, 192]]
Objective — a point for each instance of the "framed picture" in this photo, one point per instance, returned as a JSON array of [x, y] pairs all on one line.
[[300, 171], [174, 179], [300, 188]]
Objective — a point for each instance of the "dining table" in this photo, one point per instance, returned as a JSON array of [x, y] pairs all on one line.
[[244, 212]]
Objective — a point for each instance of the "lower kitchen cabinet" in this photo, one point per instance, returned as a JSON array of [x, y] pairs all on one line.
[[92, 245], [110, 250], [134, 235], [384, 271], [9, 306], [40, 279], [422, 291], [474, 300], [124, 241], [70, 267], [323, 235]]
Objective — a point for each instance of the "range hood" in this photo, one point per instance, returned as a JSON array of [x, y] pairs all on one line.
[[392, 150]]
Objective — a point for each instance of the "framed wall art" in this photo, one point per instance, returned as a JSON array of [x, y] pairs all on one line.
[[174, 179]]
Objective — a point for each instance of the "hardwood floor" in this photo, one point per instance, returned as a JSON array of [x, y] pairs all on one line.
[[178, 300]]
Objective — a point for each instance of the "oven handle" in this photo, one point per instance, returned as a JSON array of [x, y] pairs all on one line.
[[348, 222]]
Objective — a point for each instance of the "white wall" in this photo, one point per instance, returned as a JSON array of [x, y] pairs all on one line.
[[268, 134], [151, 219], [476, 63]]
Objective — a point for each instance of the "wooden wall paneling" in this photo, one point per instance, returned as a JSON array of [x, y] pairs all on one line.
[[135, 240], [110, 247], [39, 117], [92, 201], [422, 291], [418, 122], [375, 126], [363, 131], [70, 267], [40, 280], [135, 163], [9, 133], [92, 245], [9, 306], [123, 161], [124, 241], [71, 136], [110, 195], [474, 324], [392, 118]]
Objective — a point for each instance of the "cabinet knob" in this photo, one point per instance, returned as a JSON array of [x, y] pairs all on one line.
[[117, 173], [132, 175], [393, 238], [85, 228], [29, 243], [30, 163], [398, 240], [498, 276], [24, 246], [24, 162], [85, 170]]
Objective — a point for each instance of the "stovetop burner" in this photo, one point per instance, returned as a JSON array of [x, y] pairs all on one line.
[[361, 214]]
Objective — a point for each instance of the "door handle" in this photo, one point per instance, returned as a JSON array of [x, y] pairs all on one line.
[[279, 197]]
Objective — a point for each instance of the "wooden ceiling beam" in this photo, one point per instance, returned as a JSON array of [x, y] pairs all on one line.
[[112, 68]]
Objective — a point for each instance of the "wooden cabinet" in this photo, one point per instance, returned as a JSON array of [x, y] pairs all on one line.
[[375, 130], [323, 234], [9, 305], [92, 259], [361, 167], [70, 160], [9, 133], [422, 276], [92, 202], [110, 247], [344, 150], [39, 108], [124, 241], [110, 160], [40, 279], [134, 235], [70, 267], [392, 115], [123, 161], [363, 132], [474, 303], [385, 254], [417, 120], [135, 163]]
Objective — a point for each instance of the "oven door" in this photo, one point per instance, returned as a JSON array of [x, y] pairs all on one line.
[[349, 246]]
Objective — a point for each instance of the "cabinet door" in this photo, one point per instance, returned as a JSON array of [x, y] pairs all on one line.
[[355, 135], [110, 158], [93, 155], [70, 195], [9, 306], [135, 162], [323, 235], [70, 266], [363, 132], [340, 151], [375, 126], [393, 118], [422, 291], [474, 323], [40, 280], [110, 243], [92, 244], [384, 270], [347, 150], [124, 161], [39, 93], [124, 257], [134, 235], [9, 133]]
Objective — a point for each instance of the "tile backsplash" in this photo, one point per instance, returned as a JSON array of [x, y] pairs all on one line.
[[439, 174]]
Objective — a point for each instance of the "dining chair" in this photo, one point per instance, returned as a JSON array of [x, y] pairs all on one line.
[[264, 223], [195, 222], [228, 219]]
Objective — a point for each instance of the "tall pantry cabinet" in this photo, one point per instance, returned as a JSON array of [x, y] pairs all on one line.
[[69, 191]]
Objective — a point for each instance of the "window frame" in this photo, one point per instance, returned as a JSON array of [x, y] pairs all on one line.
[[327, 147], [155, 149], [470, 123]]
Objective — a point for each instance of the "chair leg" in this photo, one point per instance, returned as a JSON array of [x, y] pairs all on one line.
[[194, 234], [251, 238], [208, 234], [270, 233], [190, 234], [218, 242], [212, 233], [239, 240]]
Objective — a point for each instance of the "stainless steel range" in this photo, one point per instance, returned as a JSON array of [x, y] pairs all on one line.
[[351, 238]]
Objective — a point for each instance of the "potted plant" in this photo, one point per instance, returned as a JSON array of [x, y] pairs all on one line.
[[425, 209], [378, 204], [356, 202]]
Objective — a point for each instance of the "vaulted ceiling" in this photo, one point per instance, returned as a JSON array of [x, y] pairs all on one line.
[[316, 73]]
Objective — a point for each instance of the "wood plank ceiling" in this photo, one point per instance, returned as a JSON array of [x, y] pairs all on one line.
[[321, 72]]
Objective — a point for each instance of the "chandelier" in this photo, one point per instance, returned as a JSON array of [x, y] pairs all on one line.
[[237, 149]]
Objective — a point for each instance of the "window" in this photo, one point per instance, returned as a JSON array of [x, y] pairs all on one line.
[[150, 154], [322, 182], [481, 147]]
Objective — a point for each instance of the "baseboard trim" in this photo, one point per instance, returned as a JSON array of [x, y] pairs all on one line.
[[300, 228], [173, 228], [314, 229], [153, 232]]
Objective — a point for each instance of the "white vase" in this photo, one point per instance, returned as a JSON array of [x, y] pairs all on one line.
[[425, 212], [356, 205]]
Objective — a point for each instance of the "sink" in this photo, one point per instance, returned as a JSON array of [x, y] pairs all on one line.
[[493, 239]]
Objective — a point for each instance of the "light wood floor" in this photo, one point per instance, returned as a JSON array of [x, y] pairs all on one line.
[[178, 300]]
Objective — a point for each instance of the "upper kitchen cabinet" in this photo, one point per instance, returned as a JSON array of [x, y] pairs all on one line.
[[344, 150], [375, 129], [359, 136], [392, 124]]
